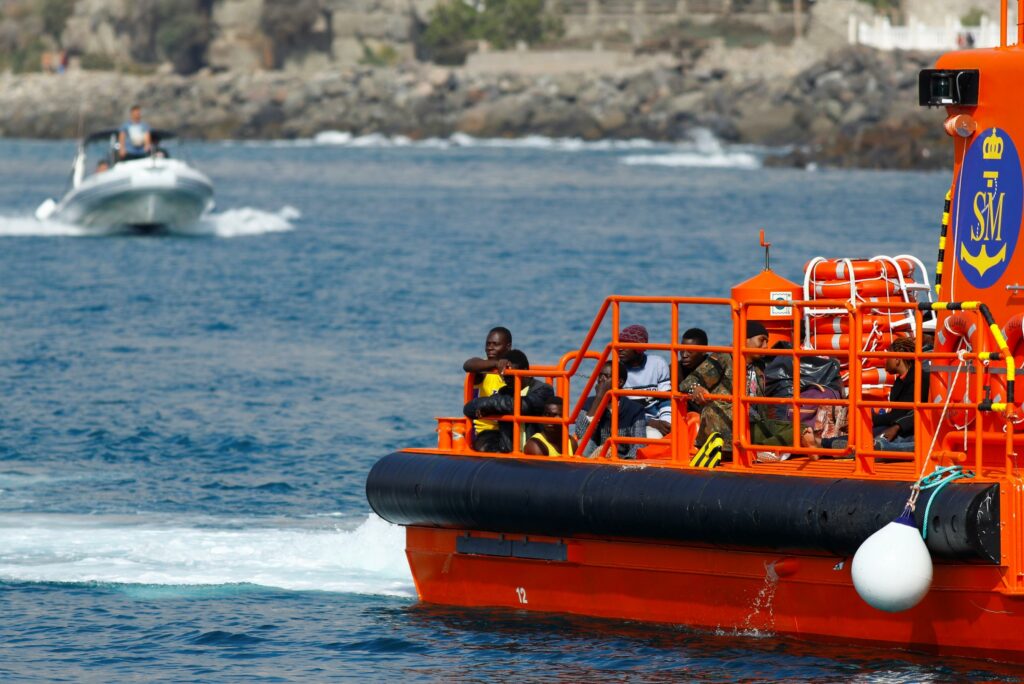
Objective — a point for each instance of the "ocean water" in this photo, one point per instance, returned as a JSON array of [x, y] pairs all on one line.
[[188, 420]]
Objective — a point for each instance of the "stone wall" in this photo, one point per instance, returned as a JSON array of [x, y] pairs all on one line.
[[855, 108], [351, 29]]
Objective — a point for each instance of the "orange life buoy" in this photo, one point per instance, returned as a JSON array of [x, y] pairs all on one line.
[[875, 376], [840, 289], [1013, 331], [954, 334], [875, 393], [841, 324], [842, 269], [841, 342]]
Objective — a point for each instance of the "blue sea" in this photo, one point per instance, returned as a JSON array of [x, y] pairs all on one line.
[[188, 420]]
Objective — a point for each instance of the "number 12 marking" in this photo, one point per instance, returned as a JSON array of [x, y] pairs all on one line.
[[521, 594]]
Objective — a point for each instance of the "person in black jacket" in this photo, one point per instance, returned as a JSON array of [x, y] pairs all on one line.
[[534, 395], [894, 428]]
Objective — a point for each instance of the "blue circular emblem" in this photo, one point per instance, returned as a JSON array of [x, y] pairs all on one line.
[[988, 208]]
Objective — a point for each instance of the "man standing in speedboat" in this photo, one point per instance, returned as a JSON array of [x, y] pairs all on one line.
[[135, 140]]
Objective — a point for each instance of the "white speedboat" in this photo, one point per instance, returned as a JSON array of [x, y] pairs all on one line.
[[146, 195]]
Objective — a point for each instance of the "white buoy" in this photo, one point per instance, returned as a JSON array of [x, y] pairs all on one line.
[[892, 569]]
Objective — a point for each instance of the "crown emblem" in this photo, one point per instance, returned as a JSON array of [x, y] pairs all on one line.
[[993, 147]]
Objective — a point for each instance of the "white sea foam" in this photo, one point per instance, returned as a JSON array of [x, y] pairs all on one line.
[[244, 221], [726, 160], [369, 559], [460, 140], [703, 151]]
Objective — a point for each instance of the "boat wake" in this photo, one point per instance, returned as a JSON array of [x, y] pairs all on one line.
[[369, 559], [242, 222]]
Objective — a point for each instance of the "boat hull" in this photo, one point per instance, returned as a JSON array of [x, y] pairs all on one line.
[[738, 591], [718, 550], [145, 194]]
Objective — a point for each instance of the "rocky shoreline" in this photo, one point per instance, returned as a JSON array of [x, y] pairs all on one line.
[[855, 108]]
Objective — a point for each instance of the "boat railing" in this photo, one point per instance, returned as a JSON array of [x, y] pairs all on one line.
[[991, 421]]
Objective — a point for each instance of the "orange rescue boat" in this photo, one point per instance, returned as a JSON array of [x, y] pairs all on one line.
[[763, 543]]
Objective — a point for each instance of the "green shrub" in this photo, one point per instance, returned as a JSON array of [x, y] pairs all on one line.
[[506, 22], [24, 59], [383, 55], [182, 38], [884, 6], [97, 61], [174, 30], [453, 25], [972, 18], [55, 14]]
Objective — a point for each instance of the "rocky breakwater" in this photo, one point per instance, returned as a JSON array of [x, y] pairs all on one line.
[[855, 108]]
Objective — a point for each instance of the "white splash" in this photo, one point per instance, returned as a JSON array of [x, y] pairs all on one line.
[[761, 620], [704, 150], [30, 226], [367, 560], [724, 160], [245, 221]]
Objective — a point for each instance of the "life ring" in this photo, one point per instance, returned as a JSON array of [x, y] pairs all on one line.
[[842, 342], [841, 324], [955, 333], [1013, 331], [840, 289], [842, 269], [875, 393], [875, 376]]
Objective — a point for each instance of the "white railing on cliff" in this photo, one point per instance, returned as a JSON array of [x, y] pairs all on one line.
[[916, 35]]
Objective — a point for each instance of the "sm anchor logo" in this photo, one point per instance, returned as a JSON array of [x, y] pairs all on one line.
[[989, 207]]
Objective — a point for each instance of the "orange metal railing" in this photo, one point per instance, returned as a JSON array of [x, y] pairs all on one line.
[[991, 429]]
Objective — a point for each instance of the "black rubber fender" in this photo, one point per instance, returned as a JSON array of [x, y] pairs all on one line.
[[745, 510]]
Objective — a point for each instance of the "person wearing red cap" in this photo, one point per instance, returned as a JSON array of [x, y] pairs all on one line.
[[648, 373]]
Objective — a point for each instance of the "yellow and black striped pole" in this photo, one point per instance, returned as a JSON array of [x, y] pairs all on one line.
[[942, 242]]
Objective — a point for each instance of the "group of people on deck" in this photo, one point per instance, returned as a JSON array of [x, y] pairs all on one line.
[[701, 375]]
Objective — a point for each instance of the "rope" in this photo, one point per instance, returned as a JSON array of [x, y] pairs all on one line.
[[915, 490], [937, 480]]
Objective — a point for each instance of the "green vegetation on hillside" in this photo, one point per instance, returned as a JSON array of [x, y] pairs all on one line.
[[55, 14], [177, 31], [454, 24], [972, 18], [287, 23]]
